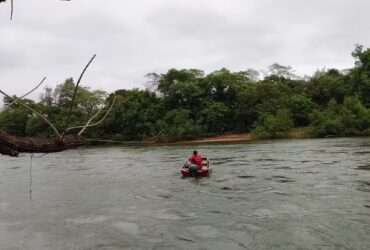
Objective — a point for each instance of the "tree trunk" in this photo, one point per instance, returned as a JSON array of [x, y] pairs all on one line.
[[13, 145]]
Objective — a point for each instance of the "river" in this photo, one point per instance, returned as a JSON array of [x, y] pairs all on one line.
[[284, 194]]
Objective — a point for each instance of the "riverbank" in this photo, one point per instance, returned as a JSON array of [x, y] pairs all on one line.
[[296, 133], [229, 138]]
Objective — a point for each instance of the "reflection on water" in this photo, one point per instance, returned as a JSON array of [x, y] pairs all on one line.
[[298, 194]]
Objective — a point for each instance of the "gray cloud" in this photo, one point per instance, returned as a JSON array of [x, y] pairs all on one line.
[[57, 38]]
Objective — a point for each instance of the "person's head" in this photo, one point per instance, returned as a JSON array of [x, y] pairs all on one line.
[[195, 152]]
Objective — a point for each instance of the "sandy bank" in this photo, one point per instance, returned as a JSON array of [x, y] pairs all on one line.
[[244, 137]]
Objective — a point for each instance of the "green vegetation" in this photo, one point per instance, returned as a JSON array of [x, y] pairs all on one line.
[[187, 103]]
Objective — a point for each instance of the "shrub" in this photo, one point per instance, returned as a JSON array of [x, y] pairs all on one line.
[[275, 126]]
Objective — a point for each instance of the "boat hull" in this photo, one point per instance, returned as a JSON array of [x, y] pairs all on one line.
[[204, 172]]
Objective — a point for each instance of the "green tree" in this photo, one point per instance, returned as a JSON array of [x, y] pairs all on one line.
[[215, 117], [301, 108], [246, 113], [360, 75], [14, 120], [275, 126], [326, 85], [355, 117], [328, 122], [134, 115], [177, 124]]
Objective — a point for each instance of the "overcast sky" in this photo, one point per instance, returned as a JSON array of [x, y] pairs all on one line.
[[131, 38]]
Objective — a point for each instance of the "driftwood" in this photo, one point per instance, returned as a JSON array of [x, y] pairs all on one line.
[[28, 93], [13, 145]]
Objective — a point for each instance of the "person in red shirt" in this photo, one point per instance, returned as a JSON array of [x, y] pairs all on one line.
[[196, 159]]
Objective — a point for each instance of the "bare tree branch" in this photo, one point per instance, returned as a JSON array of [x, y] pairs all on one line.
[[90, 121], [11, 9], [33, 111], [88, 124], [101, 120], [76, 88], [28, 93]]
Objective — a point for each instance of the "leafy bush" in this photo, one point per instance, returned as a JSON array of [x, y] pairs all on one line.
[[275, 126], [214, 117], [301, 108], [178, 125], [327, 124], [14, 121], [351, 118]]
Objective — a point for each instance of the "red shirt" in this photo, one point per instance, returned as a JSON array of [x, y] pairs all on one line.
[[197, 160]]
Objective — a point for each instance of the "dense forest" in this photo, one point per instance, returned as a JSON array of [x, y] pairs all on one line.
[[187, 103]]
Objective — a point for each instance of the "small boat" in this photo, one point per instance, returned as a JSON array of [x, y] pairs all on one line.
[[188, 170]]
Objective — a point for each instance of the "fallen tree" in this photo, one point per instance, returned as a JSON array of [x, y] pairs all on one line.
[[13, 145]]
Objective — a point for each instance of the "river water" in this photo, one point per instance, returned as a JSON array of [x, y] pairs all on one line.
[[289, 194]]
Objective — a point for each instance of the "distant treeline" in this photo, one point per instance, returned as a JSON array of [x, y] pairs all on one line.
[[187, 103]]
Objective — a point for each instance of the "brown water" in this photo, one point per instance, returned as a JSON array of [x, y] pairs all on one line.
[[294, 194]]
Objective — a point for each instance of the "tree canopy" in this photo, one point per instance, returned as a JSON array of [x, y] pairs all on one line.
[[187, 103]]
